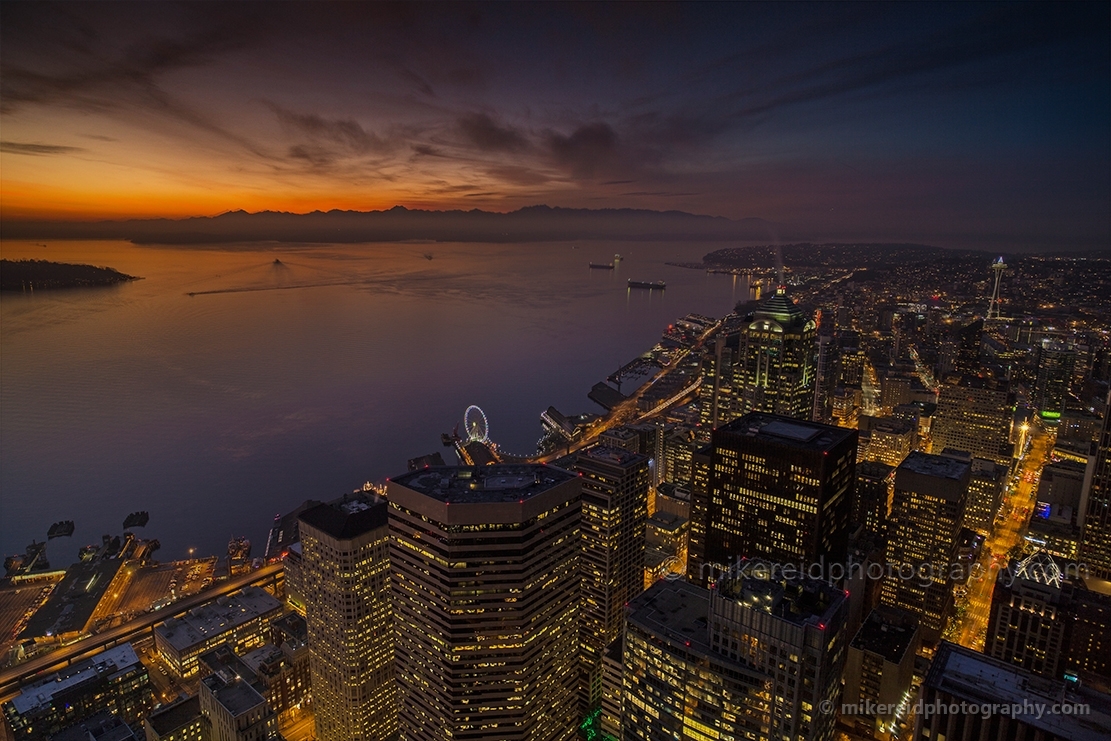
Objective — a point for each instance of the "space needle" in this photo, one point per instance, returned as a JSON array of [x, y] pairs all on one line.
[[994, 310]]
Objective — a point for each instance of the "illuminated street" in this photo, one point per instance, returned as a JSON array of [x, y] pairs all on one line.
[[1009, 529]]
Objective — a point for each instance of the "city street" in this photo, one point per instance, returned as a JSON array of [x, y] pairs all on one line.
[[1018, 503]]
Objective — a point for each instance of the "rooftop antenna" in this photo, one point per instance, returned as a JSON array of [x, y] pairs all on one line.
[[994, 309]]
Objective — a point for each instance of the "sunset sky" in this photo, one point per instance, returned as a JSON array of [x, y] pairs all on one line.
[[962, 124]]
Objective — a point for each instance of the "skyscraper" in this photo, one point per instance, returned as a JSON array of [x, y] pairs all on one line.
[[1056, 363], [614, 513], [793, 632], [486, 591], [975, 415], [346, 582], [777, 357], [926, 514], [1095, 546], [780, 489]]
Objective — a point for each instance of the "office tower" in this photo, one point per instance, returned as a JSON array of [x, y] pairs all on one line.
[[675, 463], [613, 518], [890, 440], [1088, 654], [113, 679], [975, 415], [960, 675], [1028, 622], [1095, 546], [873, 493], [715, 393], [879, 669], [894, 391], [486, 578], [985, 495], [792, 631], [699, 512], [346, 582], [675, 683], [1058, 518], [775, 369], [825, 379], [235, 710], [241, 620], [926, 514], [780, 490], [1056, 364]]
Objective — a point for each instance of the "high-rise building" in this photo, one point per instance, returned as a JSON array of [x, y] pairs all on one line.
[[780, 489], [675, 684], [975, 415], [927, 509], [715, 393], [1028, 622], [776, 365], [1056, 364], [879, 669], [873, 494], [754, 658], [614, 513], [985, 495], [1013, 702], [346, 582], [486, 579], [1095, 545], [825, 379], [793, 631]]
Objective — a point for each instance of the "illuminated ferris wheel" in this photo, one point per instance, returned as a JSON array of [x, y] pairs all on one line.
[[475, 425]]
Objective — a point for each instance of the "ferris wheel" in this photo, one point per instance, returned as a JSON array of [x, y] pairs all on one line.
[[475, 425]]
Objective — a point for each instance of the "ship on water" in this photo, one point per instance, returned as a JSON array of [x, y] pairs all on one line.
[[649, 284]]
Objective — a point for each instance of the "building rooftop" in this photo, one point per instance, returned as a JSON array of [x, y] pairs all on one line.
[[787, 431], [348, 517], [478, 484], [799, 601], [876, 470], [109, 662], [612, 456], [887, 632], [235, 694], [939, 466], [103, 726], [667, 522], [975, 677], [676, 610], [74, 600], [214, 618], [172, 717]]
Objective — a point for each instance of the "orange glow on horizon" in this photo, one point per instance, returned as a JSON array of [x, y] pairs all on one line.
[[29, 201]]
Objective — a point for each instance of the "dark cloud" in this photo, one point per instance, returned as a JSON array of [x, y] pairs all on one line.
[[586, 150], [517, 175], [481, 131], [36, 149], [427, 150], [99, 137], [328, 139], [75, 65]]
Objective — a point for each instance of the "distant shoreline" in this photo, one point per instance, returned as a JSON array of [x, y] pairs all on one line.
[[44, 275]]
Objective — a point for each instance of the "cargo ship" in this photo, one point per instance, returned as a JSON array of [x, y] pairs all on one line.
[[601, 266], [649, 284]]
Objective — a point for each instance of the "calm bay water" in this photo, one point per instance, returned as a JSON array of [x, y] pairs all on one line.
[[301, 379]]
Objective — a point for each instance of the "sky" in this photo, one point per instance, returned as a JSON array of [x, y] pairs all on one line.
[[958, 124]]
